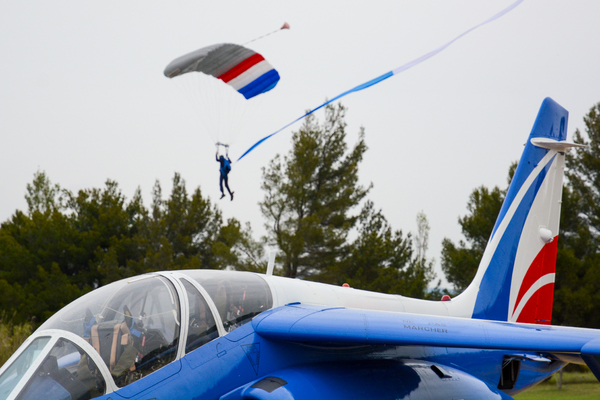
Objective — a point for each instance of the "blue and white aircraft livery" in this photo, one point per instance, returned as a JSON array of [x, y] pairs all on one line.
[[208, 335]]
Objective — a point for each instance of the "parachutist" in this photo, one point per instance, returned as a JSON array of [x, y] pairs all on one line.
[[224, 172]]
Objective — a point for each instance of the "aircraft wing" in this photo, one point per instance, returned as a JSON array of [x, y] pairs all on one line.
[[318, 324]]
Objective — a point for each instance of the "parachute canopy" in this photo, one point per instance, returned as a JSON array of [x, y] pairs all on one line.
[[241, 68]]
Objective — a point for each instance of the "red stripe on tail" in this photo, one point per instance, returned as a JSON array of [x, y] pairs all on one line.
[[538, 309]]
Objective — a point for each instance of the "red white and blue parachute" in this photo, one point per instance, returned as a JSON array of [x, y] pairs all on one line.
[[241, 68]]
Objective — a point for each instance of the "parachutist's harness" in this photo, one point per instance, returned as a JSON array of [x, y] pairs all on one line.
[[225, 162]]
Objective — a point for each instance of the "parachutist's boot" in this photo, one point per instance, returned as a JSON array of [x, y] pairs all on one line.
[[222, 195], [231, 196]]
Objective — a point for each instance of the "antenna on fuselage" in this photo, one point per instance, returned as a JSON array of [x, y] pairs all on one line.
[[271, 265]]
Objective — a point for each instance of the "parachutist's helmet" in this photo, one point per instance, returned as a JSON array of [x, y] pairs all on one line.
[[221, 158]]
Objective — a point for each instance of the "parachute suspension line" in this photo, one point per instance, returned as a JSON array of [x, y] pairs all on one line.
[[223, 110], [205, 93], [226, 113], [215, 96], [237, 106], [246, 114], [284, 26], [207, 102], [208, 90], [187, 85], [389, 74]]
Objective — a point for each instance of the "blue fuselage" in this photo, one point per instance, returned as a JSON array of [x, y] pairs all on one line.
[[240, 359]]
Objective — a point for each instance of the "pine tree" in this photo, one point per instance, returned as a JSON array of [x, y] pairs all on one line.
[[310, 195]]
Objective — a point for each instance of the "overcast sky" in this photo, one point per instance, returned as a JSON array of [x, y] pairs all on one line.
[[83, 96]]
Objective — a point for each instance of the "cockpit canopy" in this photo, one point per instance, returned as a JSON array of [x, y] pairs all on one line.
[[121, 332]]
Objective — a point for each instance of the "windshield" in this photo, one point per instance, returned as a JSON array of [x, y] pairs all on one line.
[[133, 324], [238, 296], [13, 374], [67, 372]]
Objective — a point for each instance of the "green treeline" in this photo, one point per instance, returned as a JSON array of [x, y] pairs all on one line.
[[67, 244], [317, 214]]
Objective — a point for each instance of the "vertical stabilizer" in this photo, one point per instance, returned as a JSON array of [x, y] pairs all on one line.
[[515, 279]]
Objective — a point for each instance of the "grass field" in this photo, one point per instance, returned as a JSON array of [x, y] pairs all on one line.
[[579, 386]]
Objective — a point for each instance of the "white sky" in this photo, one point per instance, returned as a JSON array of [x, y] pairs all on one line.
[[83, 96]]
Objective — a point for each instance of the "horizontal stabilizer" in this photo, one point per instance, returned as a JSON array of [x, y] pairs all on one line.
[[552, 144]]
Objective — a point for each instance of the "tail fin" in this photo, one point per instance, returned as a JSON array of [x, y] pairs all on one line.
[[515, 279]]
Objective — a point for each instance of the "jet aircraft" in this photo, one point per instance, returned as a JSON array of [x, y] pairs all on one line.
[[207, 334]]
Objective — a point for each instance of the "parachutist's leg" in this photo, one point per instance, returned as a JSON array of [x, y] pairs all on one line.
[[227, 185], [221, 185]]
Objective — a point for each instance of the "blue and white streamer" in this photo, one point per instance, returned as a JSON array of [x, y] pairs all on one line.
[[393, 72]]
